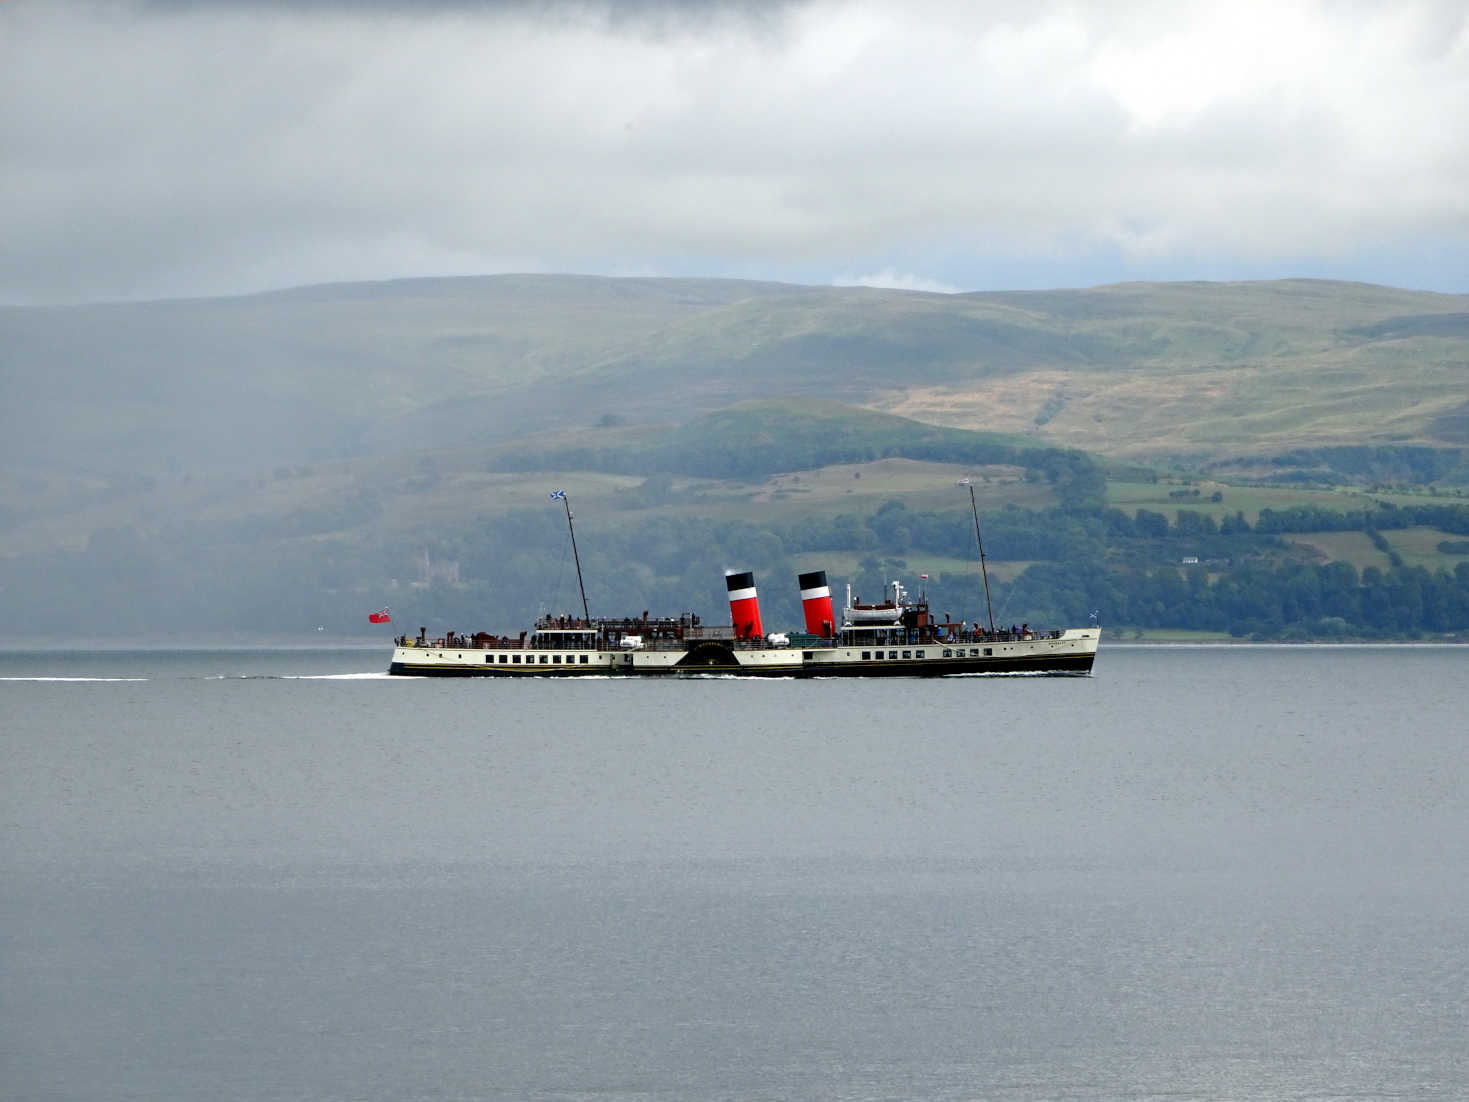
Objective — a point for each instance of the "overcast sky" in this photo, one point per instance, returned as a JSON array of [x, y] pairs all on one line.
[[163, 148]]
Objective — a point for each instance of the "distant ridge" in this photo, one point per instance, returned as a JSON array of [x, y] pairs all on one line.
[[1191, 372]]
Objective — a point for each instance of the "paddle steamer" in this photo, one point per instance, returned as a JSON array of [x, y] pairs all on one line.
[[898, 637]]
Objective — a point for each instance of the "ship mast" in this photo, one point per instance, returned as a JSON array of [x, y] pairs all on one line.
[[974, 508], [560, 495]]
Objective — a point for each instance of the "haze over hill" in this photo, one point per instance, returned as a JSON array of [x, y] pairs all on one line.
[[1201, 371]]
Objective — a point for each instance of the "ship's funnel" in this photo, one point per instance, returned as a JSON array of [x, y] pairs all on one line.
[[744, 605], [816, 603]]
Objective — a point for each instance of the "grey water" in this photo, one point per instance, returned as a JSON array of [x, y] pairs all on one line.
[[1200, 873]]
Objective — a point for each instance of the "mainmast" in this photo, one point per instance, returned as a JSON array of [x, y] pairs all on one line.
[[974, 508], [560, 495]]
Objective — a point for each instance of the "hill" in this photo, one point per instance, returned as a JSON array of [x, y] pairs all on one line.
[[1185, 373], [1280, 460]]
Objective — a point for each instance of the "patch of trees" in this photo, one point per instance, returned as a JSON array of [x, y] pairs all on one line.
[[1257, 600], [1410, 464], [1314, 518]]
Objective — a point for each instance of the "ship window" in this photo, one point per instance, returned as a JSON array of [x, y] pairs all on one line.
[[948, 653], [489, 658], [504, 658], [989, 651], [583, 660], [892, 654], [877, 654], [907, 654], [920, 654], [807, 655], [556, 658], [545, 658], [867, 655], [516, 659]]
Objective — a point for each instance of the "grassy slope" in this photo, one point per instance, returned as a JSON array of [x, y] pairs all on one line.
[[1145, 370], [1221, 369]]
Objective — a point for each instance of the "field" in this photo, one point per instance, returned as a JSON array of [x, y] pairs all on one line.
[[1419, 547], [1352, 547], [1156, 496]]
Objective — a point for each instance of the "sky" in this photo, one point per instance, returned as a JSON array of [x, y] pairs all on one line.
[[166, 148]]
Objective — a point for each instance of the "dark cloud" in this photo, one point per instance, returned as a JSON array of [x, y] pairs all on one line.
[[173, 147]]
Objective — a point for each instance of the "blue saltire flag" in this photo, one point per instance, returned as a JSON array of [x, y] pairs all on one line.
[[558, 495]]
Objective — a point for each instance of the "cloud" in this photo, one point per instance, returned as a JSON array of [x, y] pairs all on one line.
[[897, 281], [198, 148]]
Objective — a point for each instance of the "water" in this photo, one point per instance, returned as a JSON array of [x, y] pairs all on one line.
[[1202, 873]]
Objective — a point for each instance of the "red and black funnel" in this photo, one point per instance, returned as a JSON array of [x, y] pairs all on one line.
[[744, 605], [816, 603]]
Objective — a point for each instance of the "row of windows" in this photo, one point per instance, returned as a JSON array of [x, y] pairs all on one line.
[[530, 659], [949, 652]]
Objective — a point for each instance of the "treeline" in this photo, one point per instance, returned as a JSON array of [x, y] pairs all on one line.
[[1010, 533], [1410, 464], [1309, 518], [1391, 464], [1013, 533], [1127, 567], [758, 440], [1257, 600]]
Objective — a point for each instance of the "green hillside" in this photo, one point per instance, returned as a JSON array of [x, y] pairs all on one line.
[[463, 535], [1273, 460], [1188, 373]]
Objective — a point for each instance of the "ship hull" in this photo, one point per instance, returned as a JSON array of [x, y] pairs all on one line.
[[1072, 653]]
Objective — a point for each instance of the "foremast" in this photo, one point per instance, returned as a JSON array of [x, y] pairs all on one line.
[[560, 495], [985, 574]]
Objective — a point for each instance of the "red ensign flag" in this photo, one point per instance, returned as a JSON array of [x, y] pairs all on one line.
[[379, 617]]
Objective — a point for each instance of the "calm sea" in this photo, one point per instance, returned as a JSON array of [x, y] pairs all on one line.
[[1201, 873]]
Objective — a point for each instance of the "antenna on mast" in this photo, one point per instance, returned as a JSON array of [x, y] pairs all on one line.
[[560, 495], [974, 508]]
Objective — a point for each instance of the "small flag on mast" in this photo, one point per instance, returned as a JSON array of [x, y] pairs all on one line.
[[558, 495], [379, 617], [962, 482]]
